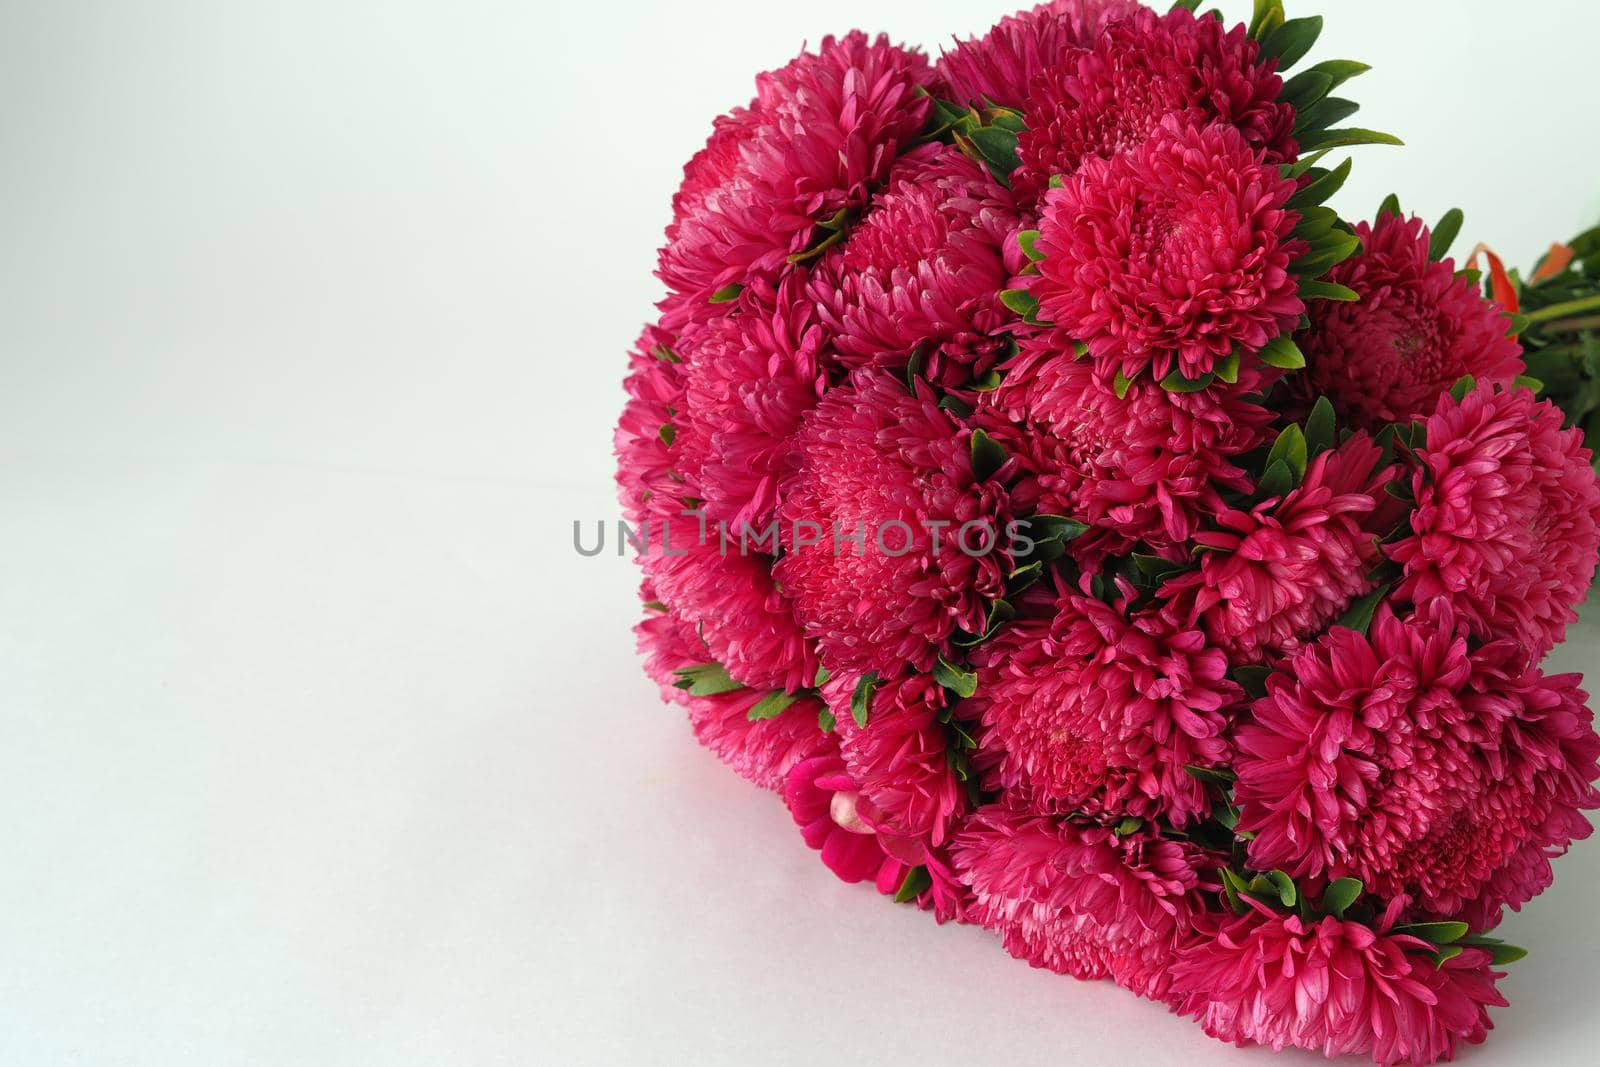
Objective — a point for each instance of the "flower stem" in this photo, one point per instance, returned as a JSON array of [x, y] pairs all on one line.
[[1571, 307]]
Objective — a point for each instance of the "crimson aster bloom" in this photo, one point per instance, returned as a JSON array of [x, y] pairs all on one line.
[[1416, 331], [822, 798], [923, 270], [1335, 986], [747, 380], [1172, 254], [655, 389], [1001, 66], [1282, 571], [1420, 768], [820, 132], [1149, 466], [1507, 519], [1099, 712], [1078, 899], [762, 751], [1110, 96], [879, 462]]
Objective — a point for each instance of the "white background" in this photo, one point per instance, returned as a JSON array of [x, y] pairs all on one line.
[[318, 743]]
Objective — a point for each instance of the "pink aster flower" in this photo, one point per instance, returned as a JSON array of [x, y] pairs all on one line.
[[655, 389], [1109, 97], [1417, 330], [1335, 986], [1423, 770], [1170, 255], [819, 134], [1149, 466], [1099, 712], [762, 751], [823, 797], [901, 761], [879, 463], [1282, 571], [1079, 900], [1507, 520], [726, 591], [748, 379], [1000, 67], [925, 267]]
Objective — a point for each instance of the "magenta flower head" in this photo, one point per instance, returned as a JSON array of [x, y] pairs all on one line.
[[1171, 255]]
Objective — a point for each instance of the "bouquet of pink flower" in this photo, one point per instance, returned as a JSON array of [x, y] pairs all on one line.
[[1094, 537]]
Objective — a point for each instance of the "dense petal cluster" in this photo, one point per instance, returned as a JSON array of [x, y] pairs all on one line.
[[1079, 899], [1417, 766], [1416, 331], [818, 134], [1002, 66], [889, 468], [1335, 987], [1094, 538], [1148, 466], [1143, 69], [1507, 520], [1100, 711], [1172, 254], [1282, 571], [923, 271]]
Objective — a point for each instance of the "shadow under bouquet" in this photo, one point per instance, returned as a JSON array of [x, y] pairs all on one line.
[[1092, 536]]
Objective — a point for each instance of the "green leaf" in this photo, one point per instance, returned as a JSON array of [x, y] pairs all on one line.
[[1283, 353], [1262, 13], [988, 456], [1055, 528], [1340, 70], [1445, 233], [963, 683], [1501, 954], [825, 720], [1306, 88], [1324, 187], [1154, 567], [1234, 887], [987, 382], [1346, 138], [1252, 678], [861, 698], [1219, 776], [1340, 894], [998, 147], [728, 292], [771, 706], [1000, 613], [1297, 170], [1177, 383], [1321, 430], [1464, 386], [1440, 933], [1276, 481], [1390, 206], [1323, 114], [914, 367], [667, 434], [1021, 301], [1290, 42], [1446, 954], [956, 406], [916, 882], [1314, 290], [1287, 891], [1027, 240], [1121, 384], [1533, 385], [1130, 824], [1228, 369], [1290, 448], [1358, 616], [706, 680]]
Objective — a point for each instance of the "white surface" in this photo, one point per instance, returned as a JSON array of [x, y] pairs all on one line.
[[318, 743]]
